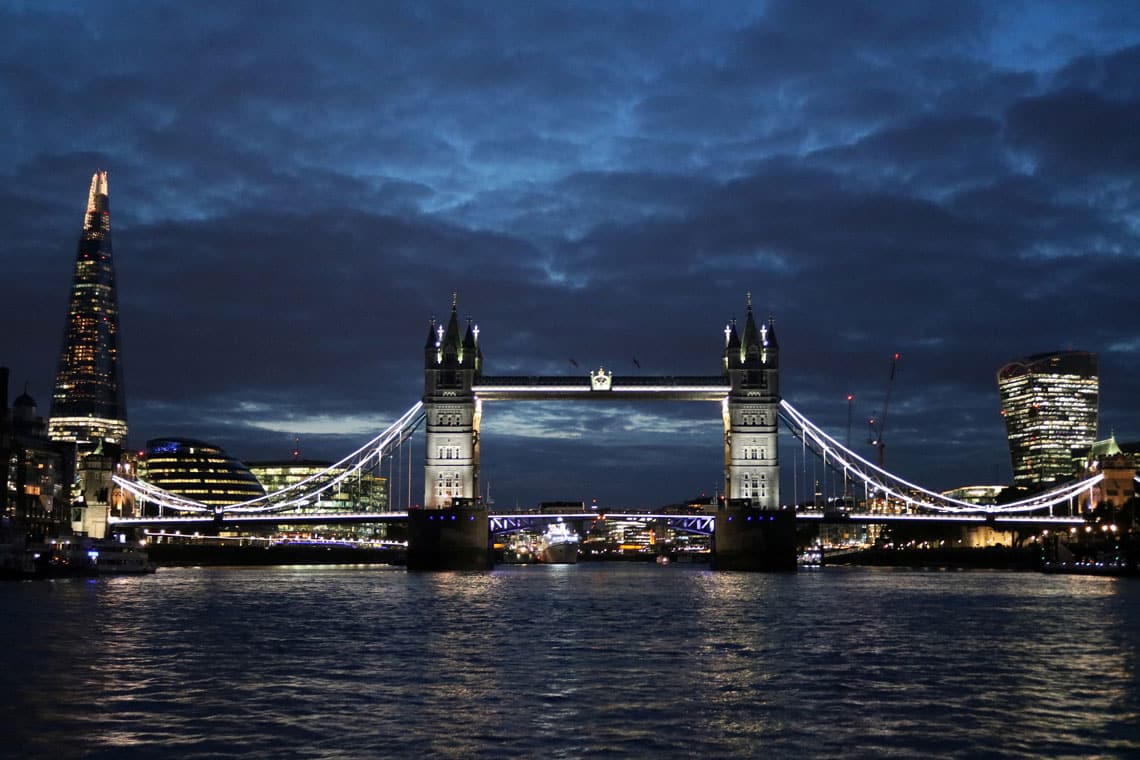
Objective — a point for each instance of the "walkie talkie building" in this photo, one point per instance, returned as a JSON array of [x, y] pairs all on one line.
[[1050, 403]]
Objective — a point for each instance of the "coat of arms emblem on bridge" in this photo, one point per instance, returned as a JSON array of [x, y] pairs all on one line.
[[600, 380]]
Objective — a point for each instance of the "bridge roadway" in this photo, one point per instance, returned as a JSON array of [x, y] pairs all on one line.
[[700, 522]]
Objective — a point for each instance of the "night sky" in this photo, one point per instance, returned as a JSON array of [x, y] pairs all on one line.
[[296, 188]]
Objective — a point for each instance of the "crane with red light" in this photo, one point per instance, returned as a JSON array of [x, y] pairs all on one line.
[[878, 425]]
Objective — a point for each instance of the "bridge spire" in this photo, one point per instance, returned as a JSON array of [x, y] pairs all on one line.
[[431, 345], [752, 340], [471, 345], [731, 345], [451, 346]]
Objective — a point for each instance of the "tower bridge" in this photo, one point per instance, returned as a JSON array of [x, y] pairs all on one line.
[[748, 392], [453, 528]]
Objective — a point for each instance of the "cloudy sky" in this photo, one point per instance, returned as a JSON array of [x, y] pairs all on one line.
[[296, 188]]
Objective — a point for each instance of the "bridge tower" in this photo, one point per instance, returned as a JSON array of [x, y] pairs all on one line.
[[451, 366], [752, 531], [451, 531], [751, 457]]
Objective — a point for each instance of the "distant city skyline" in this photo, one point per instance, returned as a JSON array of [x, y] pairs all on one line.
[[601, 182]]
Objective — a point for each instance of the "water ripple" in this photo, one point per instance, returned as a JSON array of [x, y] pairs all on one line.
[[598, 661]]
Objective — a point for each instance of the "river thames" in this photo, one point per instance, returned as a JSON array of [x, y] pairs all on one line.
[[590, 660]]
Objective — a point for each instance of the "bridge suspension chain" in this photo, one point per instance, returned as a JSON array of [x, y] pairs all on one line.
[[891, 486], [299, 494], [834, 454]]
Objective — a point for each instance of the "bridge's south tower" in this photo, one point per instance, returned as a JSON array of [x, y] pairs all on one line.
[[752, 531], [451, 366], [751, 459]]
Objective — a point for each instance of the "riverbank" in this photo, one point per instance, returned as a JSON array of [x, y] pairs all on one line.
[[184, 555], [959, 558], [981, 558]]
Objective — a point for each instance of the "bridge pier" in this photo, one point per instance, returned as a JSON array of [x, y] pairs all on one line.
[[452, 538], [758, 540]]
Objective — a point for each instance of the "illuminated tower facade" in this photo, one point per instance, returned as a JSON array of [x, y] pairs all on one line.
[[87, 404], [1049, 402], [452, 364], [751, 458]]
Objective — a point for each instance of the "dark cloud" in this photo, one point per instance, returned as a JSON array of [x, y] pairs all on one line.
[[295, 191], [1078, 131]]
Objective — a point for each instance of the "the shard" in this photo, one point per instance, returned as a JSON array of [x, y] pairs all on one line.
[[87, 405]]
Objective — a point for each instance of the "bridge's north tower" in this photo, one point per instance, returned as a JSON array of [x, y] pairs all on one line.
[[452, 365], [751, 458]]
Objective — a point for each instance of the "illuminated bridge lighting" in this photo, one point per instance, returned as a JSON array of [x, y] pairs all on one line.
[[307, 492], [301, 493], [877, 479]]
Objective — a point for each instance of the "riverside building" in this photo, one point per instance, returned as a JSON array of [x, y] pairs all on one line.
[[197, 470], [35, 472], [1050, 403], [355, 493]]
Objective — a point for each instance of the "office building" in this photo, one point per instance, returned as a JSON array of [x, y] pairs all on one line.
[[354, 493], [357, 492], [197, 470], [1049, 402]]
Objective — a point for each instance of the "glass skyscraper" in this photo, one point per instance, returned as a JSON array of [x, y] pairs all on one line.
[[87, 404], [1049, 402]]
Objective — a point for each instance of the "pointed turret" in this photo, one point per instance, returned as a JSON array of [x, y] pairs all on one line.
[[451, 346], [469, 337], [733, 337], [731, 345], [752, 341], [471, 353], [431, 345], [771, 352]]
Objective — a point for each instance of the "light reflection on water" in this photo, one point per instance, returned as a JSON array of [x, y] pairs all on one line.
[[593, 660]]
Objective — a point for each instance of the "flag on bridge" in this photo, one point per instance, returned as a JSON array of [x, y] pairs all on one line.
[[573, 363], [636, 363]]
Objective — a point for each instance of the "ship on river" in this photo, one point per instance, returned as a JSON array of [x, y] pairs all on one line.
[[558, 545]]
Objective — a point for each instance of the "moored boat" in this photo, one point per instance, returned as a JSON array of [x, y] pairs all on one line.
[[114, 558]]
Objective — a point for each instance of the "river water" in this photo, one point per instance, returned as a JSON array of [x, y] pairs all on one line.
[[593, 660]]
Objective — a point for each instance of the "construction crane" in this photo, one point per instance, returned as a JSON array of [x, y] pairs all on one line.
[[878, 425]]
